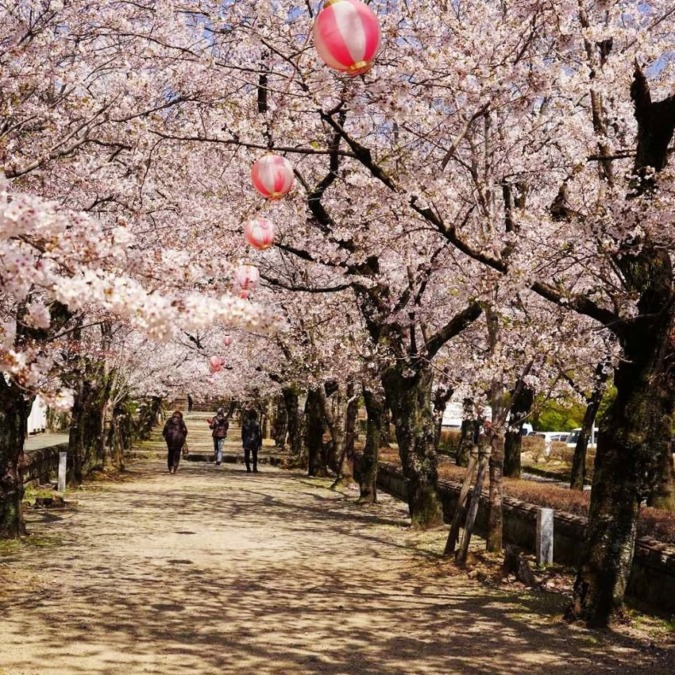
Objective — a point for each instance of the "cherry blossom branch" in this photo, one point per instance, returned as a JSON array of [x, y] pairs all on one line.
[[580, 304], [454, 327], [255, 146], [305, 289]]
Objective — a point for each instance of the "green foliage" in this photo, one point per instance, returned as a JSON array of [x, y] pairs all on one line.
[[555, 416], [567, 415], [607, 400]]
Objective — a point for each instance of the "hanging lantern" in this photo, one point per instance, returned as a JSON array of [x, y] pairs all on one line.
[[227, 340], [272, 176], [259, 233], [347, 36], [215, 364], [246, 277]]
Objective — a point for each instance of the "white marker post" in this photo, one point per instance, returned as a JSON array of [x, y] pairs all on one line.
[[544, 536], [63, 456]]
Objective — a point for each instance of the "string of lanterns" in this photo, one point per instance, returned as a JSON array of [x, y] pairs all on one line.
[[347, 37]]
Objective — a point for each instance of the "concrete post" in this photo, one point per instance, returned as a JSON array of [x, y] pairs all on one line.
[[62, 471], [544, 536]]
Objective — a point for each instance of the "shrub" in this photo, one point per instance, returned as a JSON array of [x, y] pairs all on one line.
[[560, 452], [449, 442], [654, 523]]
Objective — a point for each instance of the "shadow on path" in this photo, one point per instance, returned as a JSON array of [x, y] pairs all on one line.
[[217, 571]]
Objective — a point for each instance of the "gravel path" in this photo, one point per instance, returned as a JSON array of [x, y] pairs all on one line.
[[216, 571]]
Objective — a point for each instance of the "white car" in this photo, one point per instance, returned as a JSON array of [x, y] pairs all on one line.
[[551, 436], [574, 436]]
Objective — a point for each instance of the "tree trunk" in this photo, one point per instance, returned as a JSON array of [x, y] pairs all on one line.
[[496, 494], [14, 411], [409, 398], [521, 405], [638, 425], [386, 433], [341, 430], [494, 432], [662, 496], [120, 439], [441, 397], [468, 435], [86, 442], [513, 447], [314, 429], [280, 426], [592, 406], [351, 421], [265, 418], [374, 402], [149, 416], [631, 443], [293, 420]]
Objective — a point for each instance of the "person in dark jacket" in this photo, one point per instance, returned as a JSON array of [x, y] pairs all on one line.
[[251, 438], [219, 425], [175, 432]]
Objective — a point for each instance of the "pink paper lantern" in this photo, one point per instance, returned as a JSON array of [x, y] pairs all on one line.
[[215, 364], [347, 36], [272, 176], [259, 233], [246, 277], [227, 340]]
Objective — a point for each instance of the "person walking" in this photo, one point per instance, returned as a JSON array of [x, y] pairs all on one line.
[[175, 432], [190, 402], [219, 426], [251, 438]]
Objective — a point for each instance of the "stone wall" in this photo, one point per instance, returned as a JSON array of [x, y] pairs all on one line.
[[42, 465], [652, 577]]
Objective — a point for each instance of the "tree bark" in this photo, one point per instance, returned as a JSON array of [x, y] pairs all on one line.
[[341, 430], [441, 397], [149, 416], [14, 411], [496, 493], [314, 429], [592, 405], [374, 402], [638, 425], [626, 464], [408, 396], [662, 495], [351, 421], [120, 438], [86, 442], [294, 422], [468, 434], [386, 434], [280, 422], [521, 405]]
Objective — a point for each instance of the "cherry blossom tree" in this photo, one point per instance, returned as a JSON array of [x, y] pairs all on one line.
[[496, 153], [510, 130]]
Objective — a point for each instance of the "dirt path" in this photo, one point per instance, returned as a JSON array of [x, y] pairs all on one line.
[[217, 571]]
